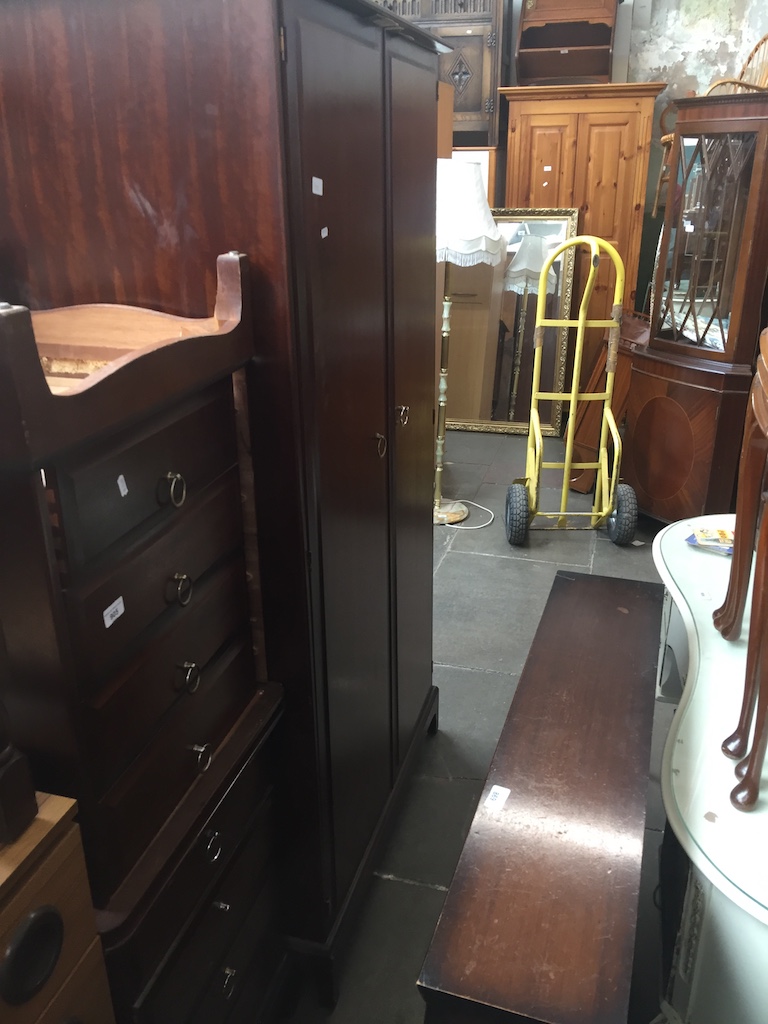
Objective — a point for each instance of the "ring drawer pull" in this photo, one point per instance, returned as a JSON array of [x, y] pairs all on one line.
[[403, 414], [178, 488], [192, 676], [184, 587], [229, 982], [224, 907], [204, 756], [30, 955], [381, 445], [213, 846]]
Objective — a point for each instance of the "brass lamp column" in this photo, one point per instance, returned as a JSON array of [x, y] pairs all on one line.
[[466, 234]]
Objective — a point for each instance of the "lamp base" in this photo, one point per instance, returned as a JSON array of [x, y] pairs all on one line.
[[449, 512]]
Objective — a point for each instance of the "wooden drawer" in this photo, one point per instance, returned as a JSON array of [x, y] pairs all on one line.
[[108, 615], [120, 721], [247, 972], [125, 485], [206, 943], [84, 998], [136, 956], [59, 886], [135, 808]]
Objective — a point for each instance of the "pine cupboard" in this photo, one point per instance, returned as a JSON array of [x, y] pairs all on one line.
[[585, 146]]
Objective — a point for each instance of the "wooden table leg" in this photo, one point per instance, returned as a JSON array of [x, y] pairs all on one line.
[[754, 450], [745, 793]]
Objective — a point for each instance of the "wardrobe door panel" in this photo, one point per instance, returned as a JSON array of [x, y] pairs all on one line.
[[341, 237], [542, 165], [413, 127]]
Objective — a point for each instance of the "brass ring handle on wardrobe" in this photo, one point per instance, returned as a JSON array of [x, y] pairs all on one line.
[[381, 445], [403, 414], [177, 489], [184, 587]]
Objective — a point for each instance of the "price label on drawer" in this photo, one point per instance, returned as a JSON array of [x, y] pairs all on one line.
[[122, 486], [114, 612]]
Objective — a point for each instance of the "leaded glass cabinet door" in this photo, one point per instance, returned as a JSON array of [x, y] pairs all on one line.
[[712, 258], [713, 178]]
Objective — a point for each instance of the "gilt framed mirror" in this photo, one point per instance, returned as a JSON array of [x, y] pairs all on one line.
[[493, 316]]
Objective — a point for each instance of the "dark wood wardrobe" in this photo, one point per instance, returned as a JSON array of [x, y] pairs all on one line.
[[142, 139]]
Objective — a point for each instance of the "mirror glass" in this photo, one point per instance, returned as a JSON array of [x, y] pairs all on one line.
[[493, 316]]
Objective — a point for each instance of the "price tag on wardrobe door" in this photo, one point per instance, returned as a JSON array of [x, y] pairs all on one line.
[[122, 486], [114, 612]]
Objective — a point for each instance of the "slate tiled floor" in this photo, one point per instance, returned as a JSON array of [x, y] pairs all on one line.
[[488, 599]]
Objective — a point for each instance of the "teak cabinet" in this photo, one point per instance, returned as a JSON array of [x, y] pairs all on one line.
[[301, 134]]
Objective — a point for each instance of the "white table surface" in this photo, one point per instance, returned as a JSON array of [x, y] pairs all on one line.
[[730, 847]]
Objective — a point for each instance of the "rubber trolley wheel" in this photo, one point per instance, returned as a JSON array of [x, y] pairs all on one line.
[[621, 523], [516, 514]]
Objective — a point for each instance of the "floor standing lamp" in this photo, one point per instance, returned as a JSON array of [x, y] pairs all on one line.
[[522, 276], [466, 235]]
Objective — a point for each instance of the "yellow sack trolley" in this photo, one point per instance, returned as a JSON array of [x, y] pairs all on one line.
[[615, 503]]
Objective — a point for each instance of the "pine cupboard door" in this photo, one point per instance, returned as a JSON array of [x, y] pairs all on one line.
[[338, 229], [412, 244], [605, 187], [542, 160]]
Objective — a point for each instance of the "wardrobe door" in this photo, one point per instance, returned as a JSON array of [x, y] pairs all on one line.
[[413, 120], [334, 73], [541, 163]]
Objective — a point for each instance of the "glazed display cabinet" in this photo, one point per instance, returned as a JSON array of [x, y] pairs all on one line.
[[689, 389]]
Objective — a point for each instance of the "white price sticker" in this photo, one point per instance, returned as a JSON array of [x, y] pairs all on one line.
[[317, 186], [497, 797], [122, 486], [114, 612]]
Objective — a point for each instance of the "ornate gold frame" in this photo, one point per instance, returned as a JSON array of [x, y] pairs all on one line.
[[571, 218]]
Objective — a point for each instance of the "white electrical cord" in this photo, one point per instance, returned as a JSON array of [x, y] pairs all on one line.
[[458, 526]]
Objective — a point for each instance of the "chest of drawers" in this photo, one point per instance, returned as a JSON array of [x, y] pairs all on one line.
[[131, 678]]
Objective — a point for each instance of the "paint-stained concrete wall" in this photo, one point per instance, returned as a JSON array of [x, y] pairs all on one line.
[[691, 43]]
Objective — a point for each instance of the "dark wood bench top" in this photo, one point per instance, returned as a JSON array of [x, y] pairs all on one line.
[[539, 921]]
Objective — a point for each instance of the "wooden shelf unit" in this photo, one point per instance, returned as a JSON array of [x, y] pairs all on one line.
[[561, 42]]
